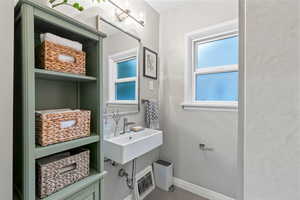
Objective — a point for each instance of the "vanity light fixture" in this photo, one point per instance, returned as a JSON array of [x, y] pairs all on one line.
[[123, 14]]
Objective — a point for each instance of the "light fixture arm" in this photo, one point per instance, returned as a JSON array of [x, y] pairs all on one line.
[[125, 13]]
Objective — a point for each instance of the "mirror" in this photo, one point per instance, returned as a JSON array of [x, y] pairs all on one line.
[[121, 69]]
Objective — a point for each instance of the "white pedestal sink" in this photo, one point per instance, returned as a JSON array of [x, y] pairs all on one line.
[[129, 146]]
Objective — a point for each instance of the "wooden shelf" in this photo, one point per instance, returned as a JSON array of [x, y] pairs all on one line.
[[71, 189], [47, 74], [64, 146]]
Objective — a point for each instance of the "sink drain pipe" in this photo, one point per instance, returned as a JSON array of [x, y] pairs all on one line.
[[129, 180]]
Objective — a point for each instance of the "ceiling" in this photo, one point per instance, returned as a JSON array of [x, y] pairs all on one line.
[[163, 5]]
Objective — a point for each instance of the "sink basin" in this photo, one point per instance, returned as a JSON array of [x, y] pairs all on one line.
[[129, 146]]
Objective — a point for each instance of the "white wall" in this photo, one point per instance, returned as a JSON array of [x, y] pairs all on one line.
[[184, 130], [6, 101], [271, 113]]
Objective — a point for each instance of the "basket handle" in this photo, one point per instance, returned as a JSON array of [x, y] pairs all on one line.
[[68, 123], [63, 57], [67, 169]]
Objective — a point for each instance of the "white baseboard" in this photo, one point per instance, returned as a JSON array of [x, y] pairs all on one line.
[[203, 192], [195, 189]]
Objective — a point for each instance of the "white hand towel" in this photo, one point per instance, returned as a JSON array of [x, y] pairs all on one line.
[[62, 41], [152, 114]]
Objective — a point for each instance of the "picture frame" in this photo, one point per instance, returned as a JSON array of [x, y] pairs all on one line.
[[150, 63], [144, 183]]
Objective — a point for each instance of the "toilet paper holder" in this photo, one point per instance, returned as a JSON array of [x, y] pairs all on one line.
[[203, 147]]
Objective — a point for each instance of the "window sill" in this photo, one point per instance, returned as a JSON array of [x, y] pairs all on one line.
[[211, 106], [122, 103]]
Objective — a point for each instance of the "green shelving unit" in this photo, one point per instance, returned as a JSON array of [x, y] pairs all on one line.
[[46, 74], [41, 152], [39, 89]]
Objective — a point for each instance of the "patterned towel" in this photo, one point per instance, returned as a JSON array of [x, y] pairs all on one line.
[[152, 114]]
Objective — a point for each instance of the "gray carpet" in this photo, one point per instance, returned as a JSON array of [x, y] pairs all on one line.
[[178, 194]]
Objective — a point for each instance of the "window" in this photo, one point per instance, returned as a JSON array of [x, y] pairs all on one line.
[[211, 76], [123, 77]]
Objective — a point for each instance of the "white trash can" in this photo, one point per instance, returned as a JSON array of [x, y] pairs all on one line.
[[163, 173]]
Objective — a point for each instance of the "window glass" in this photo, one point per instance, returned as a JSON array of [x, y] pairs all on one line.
[[217, 87], [125, 91], [217, 53], [126, 69]]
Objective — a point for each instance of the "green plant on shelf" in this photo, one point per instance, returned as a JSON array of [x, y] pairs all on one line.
[[76, 5]]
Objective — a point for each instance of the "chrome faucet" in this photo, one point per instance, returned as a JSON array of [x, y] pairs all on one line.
[[126, 124]]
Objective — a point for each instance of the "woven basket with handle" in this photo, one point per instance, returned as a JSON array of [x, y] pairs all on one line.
[[50, 58], [58, 171], [55, 127]]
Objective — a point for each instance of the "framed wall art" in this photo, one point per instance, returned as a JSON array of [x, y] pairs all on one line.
[[150, 63]]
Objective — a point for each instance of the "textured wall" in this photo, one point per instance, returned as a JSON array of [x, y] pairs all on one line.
[[183, 129], [272, 85], [6, 102]]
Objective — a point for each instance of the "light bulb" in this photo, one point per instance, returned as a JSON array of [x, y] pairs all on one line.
[[141, 15], [142, 18], [126, 4]]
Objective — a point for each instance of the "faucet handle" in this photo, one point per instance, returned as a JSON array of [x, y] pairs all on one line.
[[127, 123]]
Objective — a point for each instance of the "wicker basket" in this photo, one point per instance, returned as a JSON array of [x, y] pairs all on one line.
[[54, 126], [50, 58], [58, 171]]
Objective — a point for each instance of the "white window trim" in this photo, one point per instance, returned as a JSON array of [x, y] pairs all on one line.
[[112, 75], [217, 32]]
